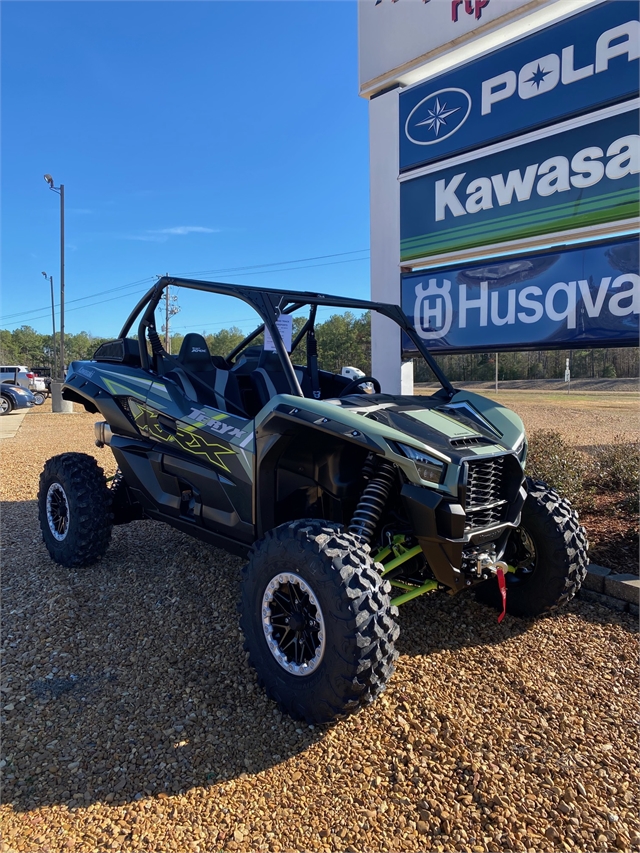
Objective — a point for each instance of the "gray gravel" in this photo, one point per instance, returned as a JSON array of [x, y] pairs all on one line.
[[132, 721]]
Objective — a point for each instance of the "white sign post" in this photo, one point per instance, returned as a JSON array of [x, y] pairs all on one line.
[[567, 376]]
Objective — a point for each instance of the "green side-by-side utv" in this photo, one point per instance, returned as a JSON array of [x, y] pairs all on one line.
[[347, 502]]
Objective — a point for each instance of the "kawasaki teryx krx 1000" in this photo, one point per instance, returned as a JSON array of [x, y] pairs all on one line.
[[346, 504]]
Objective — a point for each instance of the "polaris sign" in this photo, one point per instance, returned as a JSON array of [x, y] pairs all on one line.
[[579, 297], [573, 179], [580, 64]]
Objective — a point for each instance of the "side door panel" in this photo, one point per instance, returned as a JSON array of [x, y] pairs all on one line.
[[209, 456]]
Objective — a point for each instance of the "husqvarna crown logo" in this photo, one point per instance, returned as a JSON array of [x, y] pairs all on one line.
[[433, 310], [438, 116]]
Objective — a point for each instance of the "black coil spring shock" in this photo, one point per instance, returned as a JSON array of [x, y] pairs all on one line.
[[373, 500]]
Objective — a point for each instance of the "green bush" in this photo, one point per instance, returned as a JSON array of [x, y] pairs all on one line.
[[616, 466], [563, 467]]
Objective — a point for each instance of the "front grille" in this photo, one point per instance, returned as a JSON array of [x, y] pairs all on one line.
[[485, 503]]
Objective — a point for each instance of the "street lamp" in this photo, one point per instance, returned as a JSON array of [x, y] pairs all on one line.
[[54, 365], [60, 191]]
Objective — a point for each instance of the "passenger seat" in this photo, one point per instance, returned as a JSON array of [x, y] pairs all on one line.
[[270, 379]]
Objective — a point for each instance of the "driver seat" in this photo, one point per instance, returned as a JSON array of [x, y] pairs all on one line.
[[202, 375]]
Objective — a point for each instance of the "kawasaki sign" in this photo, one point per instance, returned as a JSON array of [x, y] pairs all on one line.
[[569, 180], [581, 297], [583, 63]]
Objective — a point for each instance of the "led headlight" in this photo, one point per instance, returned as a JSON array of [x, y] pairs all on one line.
[[520, 448], [429, 469]]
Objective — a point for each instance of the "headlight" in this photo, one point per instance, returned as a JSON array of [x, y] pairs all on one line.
[[19, 390], [429, 469], [520, 448]]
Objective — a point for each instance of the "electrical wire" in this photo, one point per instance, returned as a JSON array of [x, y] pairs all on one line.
[[259, 267]]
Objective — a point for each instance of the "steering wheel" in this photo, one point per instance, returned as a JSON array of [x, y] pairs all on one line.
[[360, 380]]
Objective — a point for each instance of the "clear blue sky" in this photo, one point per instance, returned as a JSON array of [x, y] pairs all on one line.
[[191, 137]]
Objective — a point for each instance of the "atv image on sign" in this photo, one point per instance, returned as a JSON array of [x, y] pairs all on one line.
[[346, 504]]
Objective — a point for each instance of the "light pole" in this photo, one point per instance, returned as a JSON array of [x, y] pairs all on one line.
[[54, 364], [60, 191]]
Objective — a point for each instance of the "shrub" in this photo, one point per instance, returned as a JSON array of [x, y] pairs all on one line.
[[616, 466], [561, 466]]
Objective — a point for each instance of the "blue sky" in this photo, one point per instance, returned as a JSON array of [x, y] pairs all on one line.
[[192, 138]]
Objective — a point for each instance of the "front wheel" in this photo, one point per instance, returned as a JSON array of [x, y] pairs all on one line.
[[74, 507], [38, 398], [317, 619], [549, 551], [6, 406]]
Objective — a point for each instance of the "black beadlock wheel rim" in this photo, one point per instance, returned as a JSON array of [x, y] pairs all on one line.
[[57, 512], [524, 559], [293, 624]]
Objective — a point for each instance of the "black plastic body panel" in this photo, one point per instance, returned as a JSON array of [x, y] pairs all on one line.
[[438, 523], [185, 495]]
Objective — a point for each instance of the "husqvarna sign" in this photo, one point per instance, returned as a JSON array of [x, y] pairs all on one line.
[[578, 65], [580, 297], [570, 180]]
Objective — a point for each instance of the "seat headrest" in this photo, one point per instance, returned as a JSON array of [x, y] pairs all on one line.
[[194, 351]]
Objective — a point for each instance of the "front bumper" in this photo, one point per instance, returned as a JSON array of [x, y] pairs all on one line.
[[441, 526]]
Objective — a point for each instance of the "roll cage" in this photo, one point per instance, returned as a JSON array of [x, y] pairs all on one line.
[[269, 305]]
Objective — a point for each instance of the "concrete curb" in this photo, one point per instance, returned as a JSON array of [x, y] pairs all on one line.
[[618, 592]]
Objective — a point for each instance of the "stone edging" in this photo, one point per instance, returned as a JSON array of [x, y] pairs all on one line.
[[618, 592]]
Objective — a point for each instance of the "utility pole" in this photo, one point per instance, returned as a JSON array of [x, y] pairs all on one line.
[[171, 308], [54, 361], [62, 361], [60, 191], [58, 404]]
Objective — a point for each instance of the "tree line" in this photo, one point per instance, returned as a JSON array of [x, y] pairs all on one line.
[[345, 339]]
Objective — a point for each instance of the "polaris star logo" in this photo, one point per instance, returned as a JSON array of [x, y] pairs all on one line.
[[438, 116]]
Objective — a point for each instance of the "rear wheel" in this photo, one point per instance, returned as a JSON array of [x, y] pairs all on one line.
[[549, 552], [318, 623], [6, 405], [74, 507], [38, 398]]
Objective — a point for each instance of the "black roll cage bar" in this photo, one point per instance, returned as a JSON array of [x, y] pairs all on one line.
[[269, 304]]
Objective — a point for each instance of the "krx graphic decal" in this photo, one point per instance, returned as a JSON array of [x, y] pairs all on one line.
[[187, 438]]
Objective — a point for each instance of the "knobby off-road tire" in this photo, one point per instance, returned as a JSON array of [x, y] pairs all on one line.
[[558, 564], [355, 651], [74, 507]]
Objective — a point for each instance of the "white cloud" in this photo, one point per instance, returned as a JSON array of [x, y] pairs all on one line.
[[145, 238], [186, 229]]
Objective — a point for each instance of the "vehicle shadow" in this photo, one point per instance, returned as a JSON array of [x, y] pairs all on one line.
[[128, 679]]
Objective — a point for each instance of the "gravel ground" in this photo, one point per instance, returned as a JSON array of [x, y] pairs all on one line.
[[132, 721]]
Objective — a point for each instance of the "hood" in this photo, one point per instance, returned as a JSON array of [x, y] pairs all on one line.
[[466, 424]]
